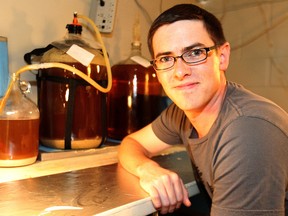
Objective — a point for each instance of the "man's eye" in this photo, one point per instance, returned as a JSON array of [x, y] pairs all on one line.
[[166, 59], [194, 53]]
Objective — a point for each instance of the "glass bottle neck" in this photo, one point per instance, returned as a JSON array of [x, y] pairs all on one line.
[[135, 49]]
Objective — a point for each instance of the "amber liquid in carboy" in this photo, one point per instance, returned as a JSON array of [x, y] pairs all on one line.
[[87, 115], [19, 139], [135, 100]]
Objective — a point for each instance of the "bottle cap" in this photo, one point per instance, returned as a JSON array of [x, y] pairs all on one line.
[[75, 27]]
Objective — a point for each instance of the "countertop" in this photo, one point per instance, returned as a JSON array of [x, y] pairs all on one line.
[[85, 185]]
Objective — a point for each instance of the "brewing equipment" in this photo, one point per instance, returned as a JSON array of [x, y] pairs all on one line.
[[72, 111], [137, 97]]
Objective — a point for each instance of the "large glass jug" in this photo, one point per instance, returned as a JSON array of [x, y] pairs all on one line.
[[72, 111], [136, 98], [19, 127]]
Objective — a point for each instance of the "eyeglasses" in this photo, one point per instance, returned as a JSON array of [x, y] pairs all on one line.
[[190, 57]]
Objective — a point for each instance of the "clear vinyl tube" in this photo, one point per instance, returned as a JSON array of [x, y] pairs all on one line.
[[66, 67], [106, 59]]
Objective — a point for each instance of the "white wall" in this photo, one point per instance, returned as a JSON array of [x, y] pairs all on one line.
[[261, 65], [31, 24], [258, 36]]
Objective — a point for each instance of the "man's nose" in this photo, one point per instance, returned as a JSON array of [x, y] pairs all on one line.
[[181, 69]]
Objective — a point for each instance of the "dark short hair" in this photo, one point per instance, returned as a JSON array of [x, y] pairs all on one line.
[[188, 12]]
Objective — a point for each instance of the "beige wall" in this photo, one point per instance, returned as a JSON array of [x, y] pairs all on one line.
[[260, 65], [258, 36]]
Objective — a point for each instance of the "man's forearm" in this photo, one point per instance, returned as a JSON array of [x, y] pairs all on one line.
[[132, 156]]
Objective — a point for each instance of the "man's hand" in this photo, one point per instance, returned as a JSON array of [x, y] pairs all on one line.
[[164, 186]]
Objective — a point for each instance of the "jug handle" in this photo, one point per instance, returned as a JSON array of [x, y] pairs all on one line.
[[25, 87]]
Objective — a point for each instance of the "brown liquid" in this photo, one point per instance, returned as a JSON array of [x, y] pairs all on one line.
[[19, 139], [134, 101], [53, 103]]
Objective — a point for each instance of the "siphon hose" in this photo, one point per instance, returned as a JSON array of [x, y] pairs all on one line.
[[106, 59]]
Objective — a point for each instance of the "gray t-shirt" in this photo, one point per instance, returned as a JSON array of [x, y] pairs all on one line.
[[243, 160]]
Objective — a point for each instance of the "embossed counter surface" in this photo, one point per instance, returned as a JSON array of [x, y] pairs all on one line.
[[104, 190]]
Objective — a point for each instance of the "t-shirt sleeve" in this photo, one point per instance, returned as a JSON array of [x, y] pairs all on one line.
[[167, 125], [250, 169]]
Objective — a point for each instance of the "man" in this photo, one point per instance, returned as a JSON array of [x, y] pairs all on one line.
[[237, 140]]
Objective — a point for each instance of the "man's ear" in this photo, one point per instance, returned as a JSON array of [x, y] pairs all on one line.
[[224, 56]]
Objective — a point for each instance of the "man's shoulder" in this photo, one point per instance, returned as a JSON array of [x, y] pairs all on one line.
[[246, 103], [242, 103]]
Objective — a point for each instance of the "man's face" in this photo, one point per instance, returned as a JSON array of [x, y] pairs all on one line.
[[190, 87]]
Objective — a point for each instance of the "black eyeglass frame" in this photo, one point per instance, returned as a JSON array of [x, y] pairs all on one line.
[[207, 50]]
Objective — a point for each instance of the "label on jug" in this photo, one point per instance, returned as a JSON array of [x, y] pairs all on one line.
[[140, 60], [80, 54]]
